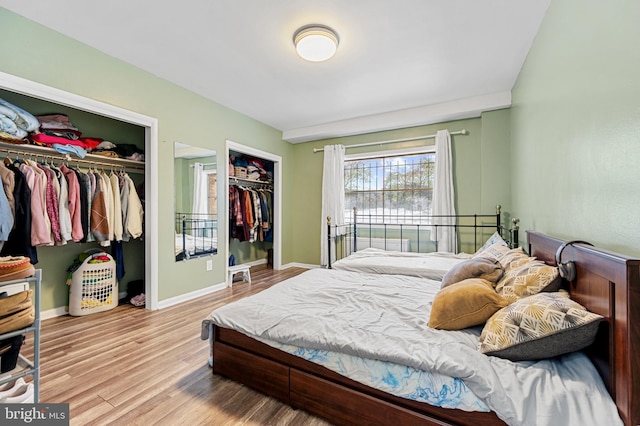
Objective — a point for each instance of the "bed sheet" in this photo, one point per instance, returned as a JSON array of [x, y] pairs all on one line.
[[424, 265], [399, 380], [384, 318], [195, 244]]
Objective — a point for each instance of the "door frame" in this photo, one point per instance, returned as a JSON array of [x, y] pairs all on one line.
[[277, 197], [150, 125]]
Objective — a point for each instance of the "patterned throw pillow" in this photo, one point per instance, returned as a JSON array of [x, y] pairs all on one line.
[[495, 238], [514, 258], [527, 276], [537, 327], [495, 251]]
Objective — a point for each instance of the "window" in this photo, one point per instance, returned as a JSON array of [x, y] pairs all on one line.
[[390, 189], [212, 192]]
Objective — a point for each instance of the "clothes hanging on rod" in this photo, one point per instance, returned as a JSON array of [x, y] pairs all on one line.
[[250, 213], [56, 204]]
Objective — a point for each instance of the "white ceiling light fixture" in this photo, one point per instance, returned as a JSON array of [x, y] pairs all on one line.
[[315, 43]]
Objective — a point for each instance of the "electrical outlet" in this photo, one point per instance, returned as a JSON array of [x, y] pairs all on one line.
[[209, 265]]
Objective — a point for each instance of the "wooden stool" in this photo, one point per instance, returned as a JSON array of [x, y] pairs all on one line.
[[246, 275]]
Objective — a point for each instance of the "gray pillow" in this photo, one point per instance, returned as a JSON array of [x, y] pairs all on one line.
[[480, 267], [540, 326]]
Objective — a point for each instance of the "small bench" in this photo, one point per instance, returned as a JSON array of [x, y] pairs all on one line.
[[246, 275]]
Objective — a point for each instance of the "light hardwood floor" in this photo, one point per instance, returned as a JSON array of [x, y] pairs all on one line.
[[131, 366]]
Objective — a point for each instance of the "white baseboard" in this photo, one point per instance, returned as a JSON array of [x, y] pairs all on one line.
[[64, 310], [55, 312], [189, 296], [254, 262], [300, 265]]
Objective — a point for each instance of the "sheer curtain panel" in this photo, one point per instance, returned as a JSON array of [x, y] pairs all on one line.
[[443, 195], [332, 194], [200, 190]]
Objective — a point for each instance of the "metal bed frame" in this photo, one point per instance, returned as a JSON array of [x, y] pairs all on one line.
[[203, 227], [344, 238]]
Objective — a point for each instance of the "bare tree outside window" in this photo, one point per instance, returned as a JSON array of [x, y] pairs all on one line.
[[393, 189]]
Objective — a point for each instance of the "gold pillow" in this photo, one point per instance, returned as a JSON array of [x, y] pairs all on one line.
[[465, 304], [539, 326], [526, 277]]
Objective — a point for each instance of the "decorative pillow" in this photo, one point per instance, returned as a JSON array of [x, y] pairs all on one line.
[[464, 304], [514, 257], [495, 251], [526, 277], [539, 326], [481, 267], [495, 238]]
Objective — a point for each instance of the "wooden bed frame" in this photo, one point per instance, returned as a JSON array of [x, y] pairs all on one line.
[[607, 283]]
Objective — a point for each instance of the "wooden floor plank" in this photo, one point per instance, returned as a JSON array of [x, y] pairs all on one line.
[[130, 366]]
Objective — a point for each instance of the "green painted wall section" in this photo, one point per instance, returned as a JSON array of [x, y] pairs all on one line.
[[575, 125], [183, 116], [475, 183]]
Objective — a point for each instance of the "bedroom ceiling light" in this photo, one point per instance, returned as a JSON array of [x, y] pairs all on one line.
[[315, 43]]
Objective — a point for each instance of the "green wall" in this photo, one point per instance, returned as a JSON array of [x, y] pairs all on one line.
[[479, 187], [183, 116], [575, 125]]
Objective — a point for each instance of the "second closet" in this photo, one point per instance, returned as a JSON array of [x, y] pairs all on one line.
[[251, 210]]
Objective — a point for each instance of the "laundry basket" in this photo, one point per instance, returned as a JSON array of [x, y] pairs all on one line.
[[94, 287]]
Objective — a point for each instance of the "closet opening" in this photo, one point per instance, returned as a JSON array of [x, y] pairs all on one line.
[[253, 183], [95, 118]]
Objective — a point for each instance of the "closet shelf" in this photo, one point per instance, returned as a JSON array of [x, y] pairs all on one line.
[[243, 181], [130, 166], [26, 367]]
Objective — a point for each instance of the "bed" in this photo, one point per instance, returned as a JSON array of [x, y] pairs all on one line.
[[406, 249], [379, 261], [195, 235], [605, 280]]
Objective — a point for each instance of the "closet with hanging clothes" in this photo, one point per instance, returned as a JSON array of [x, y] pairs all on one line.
[[78, 187], [251, 209]]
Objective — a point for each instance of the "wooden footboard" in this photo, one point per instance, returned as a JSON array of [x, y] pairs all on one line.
[[322, 392]]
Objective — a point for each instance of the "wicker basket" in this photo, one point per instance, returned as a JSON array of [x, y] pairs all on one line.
[[94, 287], [241, 172]]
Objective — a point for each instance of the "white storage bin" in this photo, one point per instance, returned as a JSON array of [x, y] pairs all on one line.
[[94, 287]]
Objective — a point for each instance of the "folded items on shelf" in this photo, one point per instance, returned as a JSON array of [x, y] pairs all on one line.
[[9, 352], [16, 312], [17, 392], [15, 268]]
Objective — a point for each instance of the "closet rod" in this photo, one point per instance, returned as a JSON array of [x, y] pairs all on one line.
[[461, 132], [31, 151], [250, 183]]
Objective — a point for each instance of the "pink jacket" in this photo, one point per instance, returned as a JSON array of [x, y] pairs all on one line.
[[75, 210], [40, 229]]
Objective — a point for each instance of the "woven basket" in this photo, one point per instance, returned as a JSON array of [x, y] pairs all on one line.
[[241, 172]]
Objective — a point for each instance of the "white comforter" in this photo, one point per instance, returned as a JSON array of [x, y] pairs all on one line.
[[385, 317], [424, 265]]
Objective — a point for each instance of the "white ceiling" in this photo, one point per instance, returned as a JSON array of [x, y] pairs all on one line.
[[399, 63]]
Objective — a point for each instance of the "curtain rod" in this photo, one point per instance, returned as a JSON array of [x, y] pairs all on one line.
[[461, 132]]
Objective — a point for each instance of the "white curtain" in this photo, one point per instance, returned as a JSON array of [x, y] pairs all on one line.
[[443, 195], [332, 195], [200, 190]]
